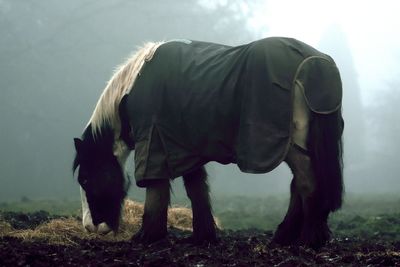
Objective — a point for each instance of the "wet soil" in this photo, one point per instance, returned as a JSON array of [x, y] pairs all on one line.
[[234, 248]]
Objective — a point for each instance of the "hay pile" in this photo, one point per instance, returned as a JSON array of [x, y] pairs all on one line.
[[69, 231]]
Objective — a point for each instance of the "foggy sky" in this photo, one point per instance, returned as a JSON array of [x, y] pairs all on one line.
[[56, 57]]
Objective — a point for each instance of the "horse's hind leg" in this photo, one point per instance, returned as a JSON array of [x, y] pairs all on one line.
[[304, 221], [314, 227], [198, 192], [154, 225], [288, 231]]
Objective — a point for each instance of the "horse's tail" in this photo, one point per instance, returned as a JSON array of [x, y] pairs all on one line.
[[326, 151]]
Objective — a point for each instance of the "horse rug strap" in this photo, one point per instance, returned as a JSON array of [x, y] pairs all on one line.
[[196, 102]]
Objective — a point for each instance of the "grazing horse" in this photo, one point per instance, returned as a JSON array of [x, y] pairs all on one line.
[[182, 103]]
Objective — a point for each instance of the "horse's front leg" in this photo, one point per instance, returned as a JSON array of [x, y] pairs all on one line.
[[198, 192], [154, 224]]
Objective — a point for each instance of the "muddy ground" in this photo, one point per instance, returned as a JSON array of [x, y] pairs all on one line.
[[235, 248], [366, 233]]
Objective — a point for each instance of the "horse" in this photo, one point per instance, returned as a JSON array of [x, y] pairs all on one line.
[[181, 104]]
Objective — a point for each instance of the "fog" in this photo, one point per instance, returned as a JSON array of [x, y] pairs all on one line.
[[56, 57]]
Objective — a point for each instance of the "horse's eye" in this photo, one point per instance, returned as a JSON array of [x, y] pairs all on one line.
[[82, 181]]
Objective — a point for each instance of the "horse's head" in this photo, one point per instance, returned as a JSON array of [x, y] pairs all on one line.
[[102, 178]]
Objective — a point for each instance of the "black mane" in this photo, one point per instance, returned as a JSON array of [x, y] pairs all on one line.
[[99, 144]]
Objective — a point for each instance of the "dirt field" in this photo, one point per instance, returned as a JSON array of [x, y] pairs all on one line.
[[42, 239], [235, 248]]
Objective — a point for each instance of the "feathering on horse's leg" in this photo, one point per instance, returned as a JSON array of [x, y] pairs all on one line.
[[197, 190], [154, 224], [289, 229]]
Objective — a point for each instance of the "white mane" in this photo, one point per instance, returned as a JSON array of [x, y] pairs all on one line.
[[120, 84]]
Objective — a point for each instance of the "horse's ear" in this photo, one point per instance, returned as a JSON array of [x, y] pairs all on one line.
[[78, 144]]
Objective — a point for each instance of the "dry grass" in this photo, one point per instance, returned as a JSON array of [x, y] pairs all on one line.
[[68, 231], [5, 228]]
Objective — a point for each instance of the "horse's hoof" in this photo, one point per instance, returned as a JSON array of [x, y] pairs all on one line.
[[193, 240], [283, 240], [316, 239], [314, 244], [285, 236], [145, 238]]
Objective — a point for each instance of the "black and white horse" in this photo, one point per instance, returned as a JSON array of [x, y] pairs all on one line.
[[181, 104]]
